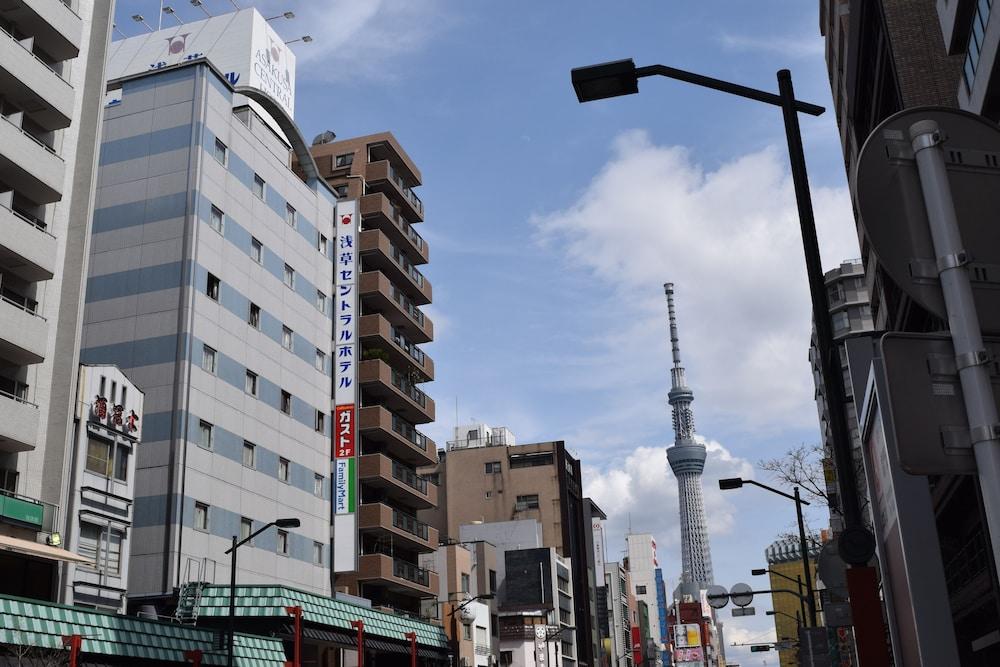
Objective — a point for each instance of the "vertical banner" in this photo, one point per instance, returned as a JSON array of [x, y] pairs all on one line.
[[345, 377]]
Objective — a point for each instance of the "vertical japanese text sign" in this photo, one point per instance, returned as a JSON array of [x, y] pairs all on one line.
[[345, 394]]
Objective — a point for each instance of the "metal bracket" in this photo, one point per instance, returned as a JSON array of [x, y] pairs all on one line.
[[955, 439], [953, 261], [984, 433], [969, 359], [928, 140]]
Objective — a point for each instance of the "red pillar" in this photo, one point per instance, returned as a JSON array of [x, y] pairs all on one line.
[[869, 630], [296, 613], [360, 625], [412, 636], [75, 643], [194, 656]]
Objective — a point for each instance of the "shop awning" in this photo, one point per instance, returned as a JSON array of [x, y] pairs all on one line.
[[38, 550]]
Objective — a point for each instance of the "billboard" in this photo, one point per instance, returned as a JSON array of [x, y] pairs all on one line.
[[241, 45], [687, 635], [345, 394]]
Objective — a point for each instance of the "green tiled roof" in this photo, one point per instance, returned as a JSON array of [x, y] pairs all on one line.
[[42, 624], [272, 600]]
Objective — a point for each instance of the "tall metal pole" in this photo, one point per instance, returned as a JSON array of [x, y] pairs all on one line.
[[802, 602], [971, 356], [804, 547], [232, 604]]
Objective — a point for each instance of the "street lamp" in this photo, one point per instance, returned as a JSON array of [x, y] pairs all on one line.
[[467, 602], [303, 38], [797, 580], [796, 618], [283, 15], [621, 77], [200, 5], [139, 18], [237, 543], [736, 483], [167, 9]]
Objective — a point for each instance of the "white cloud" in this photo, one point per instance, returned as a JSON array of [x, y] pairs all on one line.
[[642, 492], [792, 47], [359, 40], [729, 240]]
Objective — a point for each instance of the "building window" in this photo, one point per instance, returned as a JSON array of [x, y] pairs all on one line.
[[246, 527], [318, 553], [320, 360], [290, 215], [286, 402], [466, 581], [217, 219], [640, 590], [283, 542], [249, 454], [90, 540], [201, 516], [121, 462], [493, 468], [318, 486], [345, 160], [283, 470], [289, 276], [493, 581], [205, 430], [527, 502], [251, 383], [258, 186], [489, 494], [321, 243], [221, 152], [256, 250], [321, 302], [208, 357], [466, 632], [287, 338], [100, 457], [841, 321], [340, 190], [212, 287], [102, 546], [253, 318], [320, 421]]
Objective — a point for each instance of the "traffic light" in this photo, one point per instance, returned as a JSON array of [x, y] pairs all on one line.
[[758, 648]]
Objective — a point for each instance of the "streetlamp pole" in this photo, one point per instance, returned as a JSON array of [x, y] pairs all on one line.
[[804, 547]]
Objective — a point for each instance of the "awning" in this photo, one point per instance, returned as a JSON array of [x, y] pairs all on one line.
[[38, 550]]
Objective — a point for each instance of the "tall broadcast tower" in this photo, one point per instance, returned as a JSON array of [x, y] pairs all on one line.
[[687, 460]]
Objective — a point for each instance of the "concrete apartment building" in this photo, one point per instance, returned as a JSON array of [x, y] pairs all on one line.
[[209, 280], [484, 479], [377, 172], [882, 57], [52, 57], [537, 604], [620, 613]]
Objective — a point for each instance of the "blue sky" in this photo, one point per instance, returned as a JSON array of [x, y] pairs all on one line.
[[552, 226]]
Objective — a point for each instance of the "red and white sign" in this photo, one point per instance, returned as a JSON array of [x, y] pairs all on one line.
[[636, 645], [344, 433]]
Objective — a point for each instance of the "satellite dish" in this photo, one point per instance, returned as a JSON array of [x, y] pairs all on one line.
[[718, 596], [467, 614], [741, 594]]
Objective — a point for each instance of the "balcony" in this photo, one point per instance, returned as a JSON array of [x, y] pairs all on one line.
[[377, 212], [404, 529], [23, 334], [395, 436], [380, 295], [29, 166], [397, 575], [394, 390], [28, 512], [18, 422], [382, 177], [376, 331], [396, 481], [378, 253], [26, 249], [30, 84], [55, 27]]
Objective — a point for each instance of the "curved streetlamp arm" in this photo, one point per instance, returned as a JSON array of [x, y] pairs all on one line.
[[777, 491]]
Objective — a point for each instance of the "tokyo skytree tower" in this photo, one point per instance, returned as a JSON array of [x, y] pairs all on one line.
[[687, 460]]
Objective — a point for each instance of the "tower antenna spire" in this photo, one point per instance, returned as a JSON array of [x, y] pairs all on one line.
[[687, 460]]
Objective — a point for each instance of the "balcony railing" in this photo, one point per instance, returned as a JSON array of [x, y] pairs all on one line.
[[407, 229], [407, 387], [409, 477], [32, 137], [410, 572], [27, 511], [35, 56], [411, 348], [15, 390], [37, 223], [407, 305], [410, 524], [407, 191], [403, 262], [408, 431]]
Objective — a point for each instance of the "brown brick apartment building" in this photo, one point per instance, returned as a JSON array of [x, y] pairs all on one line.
[[377, 171]]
